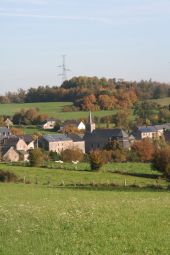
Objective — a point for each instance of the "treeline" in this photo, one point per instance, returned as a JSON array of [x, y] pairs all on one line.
[[92, 93]]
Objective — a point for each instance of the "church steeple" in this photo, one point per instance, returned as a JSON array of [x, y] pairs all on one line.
[[90, 125]]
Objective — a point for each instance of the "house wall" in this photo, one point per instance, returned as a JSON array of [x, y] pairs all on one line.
[[80, 145], [21, 146], [60, 145], [11, 155], [81, 126], [31, 145], [49, 125]]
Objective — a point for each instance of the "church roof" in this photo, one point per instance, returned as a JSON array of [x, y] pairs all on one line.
[[109, 133]]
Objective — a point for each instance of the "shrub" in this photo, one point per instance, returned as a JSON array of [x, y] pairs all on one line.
[[161, 160], [73, 154], [6, 176], [144, 149], [97, 159], [36, 157]]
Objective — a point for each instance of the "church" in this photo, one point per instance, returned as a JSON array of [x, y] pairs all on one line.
[[97, 138]]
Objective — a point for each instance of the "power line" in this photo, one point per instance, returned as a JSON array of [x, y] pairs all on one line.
[[64, 69]]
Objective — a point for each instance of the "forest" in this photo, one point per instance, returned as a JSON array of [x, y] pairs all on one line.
[[92, 93]]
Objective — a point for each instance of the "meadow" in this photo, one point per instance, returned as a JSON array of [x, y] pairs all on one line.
[[45, 217], [53, 109]]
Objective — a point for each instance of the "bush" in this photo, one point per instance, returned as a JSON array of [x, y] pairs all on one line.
[[97, 159], [36, 157], [144, 149], [6, 176], [161, 160], [54, 155], [70, 155]]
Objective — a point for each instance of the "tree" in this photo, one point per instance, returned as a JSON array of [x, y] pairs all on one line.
[[74, 154], [144, 149], [97, 159], [118, 153], [161, 160], [122, 119], [36, 157], [105, 102], [17, 131]]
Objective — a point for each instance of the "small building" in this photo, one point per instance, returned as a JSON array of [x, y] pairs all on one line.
[[78, 124], [48, 124], [10, 155], [151, 132], [8, 123], [16, 142], [29, 140]]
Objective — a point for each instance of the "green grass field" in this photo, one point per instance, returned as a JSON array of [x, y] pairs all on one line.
[[46, 218], [162, 101], [53, 109]]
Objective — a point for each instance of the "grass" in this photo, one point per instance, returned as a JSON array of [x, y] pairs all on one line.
[[40, 220], [51, 219], [162, 101], [69, 174], [53, 109]]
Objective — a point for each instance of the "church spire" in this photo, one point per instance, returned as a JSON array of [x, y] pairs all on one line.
[[90, 118], [90, 125]]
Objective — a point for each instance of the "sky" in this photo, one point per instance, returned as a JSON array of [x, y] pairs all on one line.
[[127, 39]]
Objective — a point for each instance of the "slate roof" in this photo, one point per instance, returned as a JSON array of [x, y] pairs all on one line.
[[147, 129], [110, 133], [163, 126], [75, 138], [56, 138], [27, 138]]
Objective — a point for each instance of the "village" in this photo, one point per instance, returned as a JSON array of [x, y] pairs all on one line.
[[15, 148]]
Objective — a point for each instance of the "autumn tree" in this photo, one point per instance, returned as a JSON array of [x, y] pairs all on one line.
[[144, 149], [17, 131], [74, 154], [105, 102], [161, 160], [97, 159], [89, 103], [122, 119], [36, 157]]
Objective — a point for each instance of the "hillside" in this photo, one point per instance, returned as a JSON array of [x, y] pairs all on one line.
[[53, 215]]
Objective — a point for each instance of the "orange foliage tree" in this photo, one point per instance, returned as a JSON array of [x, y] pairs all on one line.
[[144, 149]]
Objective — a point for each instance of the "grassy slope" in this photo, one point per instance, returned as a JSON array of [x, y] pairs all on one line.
[[162, 101], [53, 109], [46, 219], [139, 173], [40, 220]]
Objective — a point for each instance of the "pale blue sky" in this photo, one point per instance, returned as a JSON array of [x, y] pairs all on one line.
[[127, 39]]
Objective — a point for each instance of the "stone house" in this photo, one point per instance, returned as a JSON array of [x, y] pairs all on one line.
[[13, 148], [151, 132], [29, 140], [59, 142], [10, 155]]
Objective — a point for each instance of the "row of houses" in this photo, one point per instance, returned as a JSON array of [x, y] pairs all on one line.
[[13, 148]]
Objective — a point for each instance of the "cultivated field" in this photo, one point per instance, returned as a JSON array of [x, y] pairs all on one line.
[[54, 215]]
